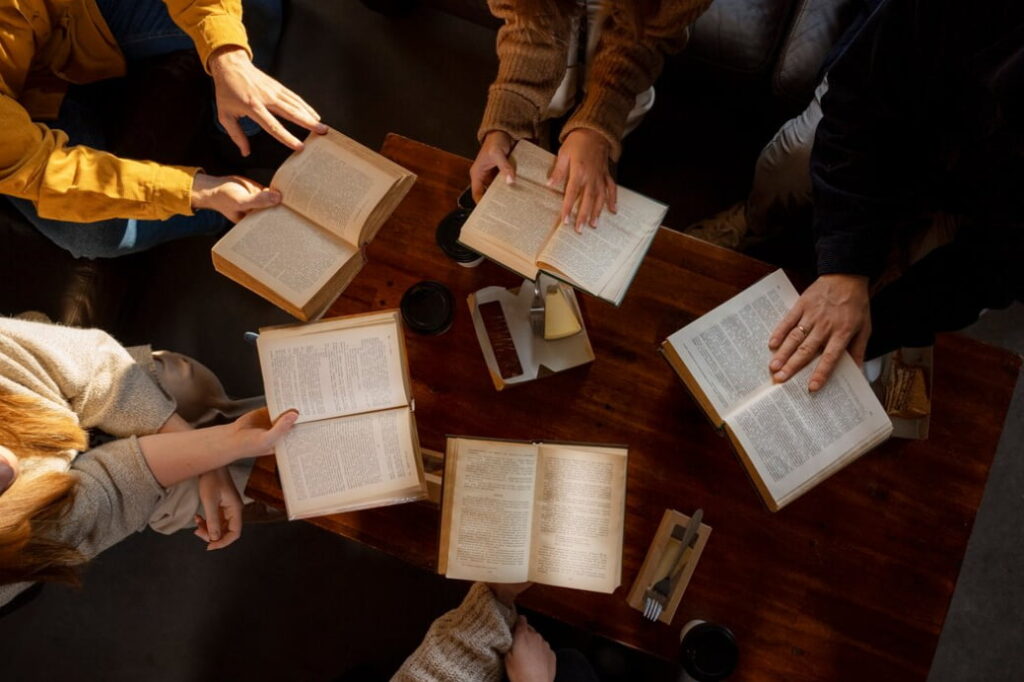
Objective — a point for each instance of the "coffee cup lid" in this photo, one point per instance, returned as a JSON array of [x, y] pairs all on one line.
[[709, 652], [448, 231], [428, 307]]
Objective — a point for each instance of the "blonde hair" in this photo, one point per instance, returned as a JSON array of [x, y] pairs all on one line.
[[33, 506]]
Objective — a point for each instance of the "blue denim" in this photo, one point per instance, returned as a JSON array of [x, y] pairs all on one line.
[[143, 29]]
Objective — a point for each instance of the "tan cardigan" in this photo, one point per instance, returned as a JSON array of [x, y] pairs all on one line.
[[467, 643], [533, 59]]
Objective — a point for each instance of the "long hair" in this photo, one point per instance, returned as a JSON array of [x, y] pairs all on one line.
[[33, 505], [636, 13]]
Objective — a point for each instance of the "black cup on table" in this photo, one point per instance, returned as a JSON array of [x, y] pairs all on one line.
[[707, 651], [448, 231], [428, 308]]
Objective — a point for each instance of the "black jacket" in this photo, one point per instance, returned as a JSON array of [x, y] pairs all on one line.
[[923, 112]]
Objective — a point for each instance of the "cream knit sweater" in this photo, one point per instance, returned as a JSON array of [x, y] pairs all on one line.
[[90, 377], [466, 644]]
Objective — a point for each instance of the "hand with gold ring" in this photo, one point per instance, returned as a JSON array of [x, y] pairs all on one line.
[[832, 316]]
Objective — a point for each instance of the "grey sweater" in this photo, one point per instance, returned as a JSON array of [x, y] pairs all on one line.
[[89, 376]]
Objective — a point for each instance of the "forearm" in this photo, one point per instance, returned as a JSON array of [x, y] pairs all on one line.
[[624, 65], [532, 61], [175, 456], [212, 24], [81, 184]]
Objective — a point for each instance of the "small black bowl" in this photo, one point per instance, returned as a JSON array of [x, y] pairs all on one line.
[[428, 307]]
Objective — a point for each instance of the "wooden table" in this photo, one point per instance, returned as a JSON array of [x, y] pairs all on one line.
[[850, 582]]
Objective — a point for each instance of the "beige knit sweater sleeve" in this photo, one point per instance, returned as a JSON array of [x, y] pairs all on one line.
[[83, 372], [467, 643], [532, 63]]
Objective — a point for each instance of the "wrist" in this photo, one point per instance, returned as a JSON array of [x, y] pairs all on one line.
[[226, 58], [202, 189], [498, 138]]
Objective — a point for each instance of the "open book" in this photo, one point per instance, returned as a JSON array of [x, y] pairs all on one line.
[[302, 254], [355, 444], [517, 226], [788, 439], [550, 513]]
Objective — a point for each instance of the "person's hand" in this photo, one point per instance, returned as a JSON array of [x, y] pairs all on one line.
[[506, 593], [530, 659], [243, 90], [252, 434], [222, 507], [834, 315], [583, 165], [491, 160], [232, 196]]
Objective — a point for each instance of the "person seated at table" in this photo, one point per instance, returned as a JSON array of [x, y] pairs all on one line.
[[597, 59], [53, 166], [62, 503], [923, 115], [484, 640]]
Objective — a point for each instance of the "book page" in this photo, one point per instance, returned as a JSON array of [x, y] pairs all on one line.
[[336, 462], [285, 252], [331, 186], [333, 372], [726, 350], [593, 258], [577, 529], [492, 511], [791, 435], [512, 223]]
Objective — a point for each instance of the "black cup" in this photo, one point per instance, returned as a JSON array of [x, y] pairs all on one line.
[[708, 652], [448, 231], [428, 307]]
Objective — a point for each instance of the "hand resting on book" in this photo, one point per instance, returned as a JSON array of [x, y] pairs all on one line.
[[583, 167], [832, 315]]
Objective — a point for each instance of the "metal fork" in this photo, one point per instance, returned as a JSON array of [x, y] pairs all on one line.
[[657, 595], [537, 310]]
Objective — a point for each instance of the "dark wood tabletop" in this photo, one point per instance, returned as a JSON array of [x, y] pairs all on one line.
[[850, 582]]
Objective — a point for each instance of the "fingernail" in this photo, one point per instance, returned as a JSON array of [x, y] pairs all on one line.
[[215, 536], [566, 220], [509, 179], [321, 128], [550, 182], [275, 197], [772, 342], [780, 376], [775, 365], [814, 386]]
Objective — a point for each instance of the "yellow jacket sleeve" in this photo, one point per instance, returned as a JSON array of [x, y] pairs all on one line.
[[210, 23], [77, 184]]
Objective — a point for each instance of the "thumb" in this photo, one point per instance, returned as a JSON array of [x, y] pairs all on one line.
[[261, 198], [559, 172], [506, 169], [283, 425]]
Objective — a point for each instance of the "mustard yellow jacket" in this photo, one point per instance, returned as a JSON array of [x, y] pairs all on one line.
[[46, 44]]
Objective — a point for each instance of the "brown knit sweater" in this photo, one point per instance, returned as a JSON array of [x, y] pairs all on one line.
[[532, 63]]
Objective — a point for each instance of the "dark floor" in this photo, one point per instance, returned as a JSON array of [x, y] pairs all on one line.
[[292, 602]]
